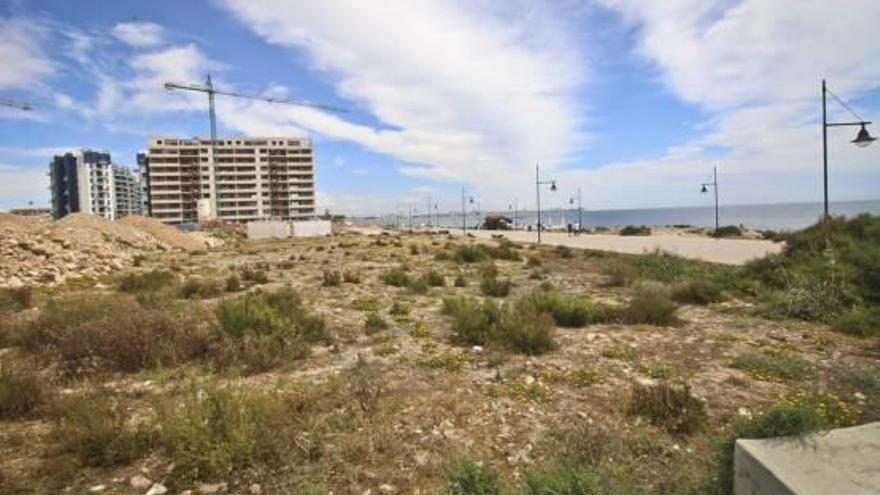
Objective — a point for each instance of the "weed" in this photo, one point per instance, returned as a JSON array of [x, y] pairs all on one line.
[[399, 308], [366, 303], [470, 253], [447, 361], [728, 231], [473, 322], [563, 251], [697, 291], [619, 272], [199, 288], [460, 281], [651, 304], [567, 311], [414, 249], [434, 278], [533, 261], [630, 230], [254, 274], [495, 287], [527, 330], [667, 406], [366, 386], [16, 299], [774, 365], [93, 428], [861, 321], [567, 478], [351, 277], [22, 391], [147, 281], [212, 432], [112, 333], [395, 277], [332, 278], [233, 283], [466, 477], [374, 323]]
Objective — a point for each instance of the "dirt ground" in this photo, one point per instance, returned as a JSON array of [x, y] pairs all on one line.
[[441, 401]]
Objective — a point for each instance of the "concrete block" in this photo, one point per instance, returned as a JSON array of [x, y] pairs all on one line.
[[842, 461]]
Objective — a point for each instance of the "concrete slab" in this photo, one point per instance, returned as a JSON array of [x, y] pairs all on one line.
[[843, 461]]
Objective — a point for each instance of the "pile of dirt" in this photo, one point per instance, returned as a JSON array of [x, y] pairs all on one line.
[[39, 251]]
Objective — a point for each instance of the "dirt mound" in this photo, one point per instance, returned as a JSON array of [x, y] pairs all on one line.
[[164, 233], [36, 251]]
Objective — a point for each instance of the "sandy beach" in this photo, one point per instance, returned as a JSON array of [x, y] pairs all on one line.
[[726, 251]]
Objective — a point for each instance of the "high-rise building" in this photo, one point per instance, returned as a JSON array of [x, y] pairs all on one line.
[[251, 179], [86, 181], [143, 165]]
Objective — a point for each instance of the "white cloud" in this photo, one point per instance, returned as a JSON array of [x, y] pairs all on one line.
[[463, 94], [139, 34], [756, 67], [21, 50], [360, 171]]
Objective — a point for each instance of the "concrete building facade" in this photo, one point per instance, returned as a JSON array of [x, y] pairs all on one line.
[[249, 178], [86, 181]]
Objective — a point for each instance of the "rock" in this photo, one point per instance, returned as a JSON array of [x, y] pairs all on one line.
[[387, 489], [529, 379], [209, 488], [478, 349], [157, 489], [140, 482], [97, 488], [255, 489], [14, 282]]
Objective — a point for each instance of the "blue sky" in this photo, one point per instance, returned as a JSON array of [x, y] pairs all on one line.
[[631, 101]]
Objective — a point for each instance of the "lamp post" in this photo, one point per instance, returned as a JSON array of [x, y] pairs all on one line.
[[464, 211], [538, 184], [580, 210], [515, 208], [862, 139], [714, 186]]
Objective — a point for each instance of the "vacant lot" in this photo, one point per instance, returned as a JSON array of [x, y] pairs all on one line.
[[408, 364]]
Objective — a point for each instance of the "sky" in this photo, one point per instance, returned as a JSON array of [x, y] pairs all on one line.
[[632, 101]]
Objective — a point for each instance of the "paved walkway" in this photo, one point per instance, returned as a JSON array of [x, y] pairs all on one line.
[[726, 251]]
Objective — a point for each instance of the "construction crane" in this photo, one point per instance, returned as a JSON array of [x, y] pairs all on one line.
[[209, 89], [21, 105]]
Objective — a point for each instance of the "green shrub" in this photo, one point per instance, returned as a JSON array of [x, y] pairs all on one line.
[[332, 278], [95, 334], [374, 323], [469, 478], [697, 291], [395, 277], [620, 273], [728, 231], [505, 250], [418, 285], [213, 432], [470, 253], [526, 330], [413, 249], [861, 321], [254, 274], [567, 311], [774, 365], [199, 288], [796, 414], [460, 281], [533, 261], [633, 230], [442, 255], [399, 308], [570, 479], [667, 406], [22, 391], [473, 322], [93, 427], [146, 281], [262, 330], [651, 304]]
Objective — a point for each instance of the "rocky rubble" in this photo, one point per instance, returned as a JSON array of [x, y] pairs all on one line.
[[39, 251]]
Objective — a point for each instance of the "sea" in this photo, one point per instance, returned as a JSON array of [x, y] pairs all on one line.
[[780, 216]]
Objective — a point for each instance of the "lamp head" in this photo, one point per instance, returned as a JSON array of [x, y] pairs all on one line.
[[471, 199], [863, 138], [553, 186], [704, 189], [571, 201]]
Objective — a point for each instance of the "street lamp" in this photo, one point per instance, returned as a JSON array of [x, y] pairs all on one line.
[[464, 211], [538, 184], [580, 209], [515, 208], [714, 186], [862, 139]]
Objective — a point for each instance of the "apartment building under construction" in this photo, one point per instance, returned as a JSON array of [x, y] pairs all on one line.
[[237, 179]]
